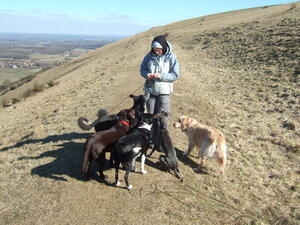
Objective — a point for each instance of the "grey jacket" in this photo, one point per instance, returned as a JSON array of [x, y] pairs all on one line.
[[165, 64]]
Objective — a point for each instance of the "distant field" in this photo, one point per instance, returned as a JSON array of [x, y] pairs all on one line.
[[45, 59], [22, 55], [11, 75]]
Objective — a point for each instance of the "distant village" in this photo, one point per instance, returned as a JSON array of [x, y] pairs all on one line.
[[33, 63], [18, 64]]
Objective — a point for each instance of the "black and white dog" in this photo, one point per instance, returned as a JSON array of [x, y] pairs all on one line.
[[164, 141], [129, 147]]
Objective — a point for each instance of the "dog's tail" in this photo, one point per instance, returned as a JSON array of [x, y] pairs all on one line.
[[222, 152], [84, 124]]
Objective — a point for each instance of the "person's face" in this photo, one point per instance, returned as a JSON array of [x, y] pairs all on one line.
[[157, 51]]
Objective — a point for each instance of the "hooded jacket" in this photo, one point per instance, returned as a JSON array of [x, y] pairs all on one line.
[[166, 65]]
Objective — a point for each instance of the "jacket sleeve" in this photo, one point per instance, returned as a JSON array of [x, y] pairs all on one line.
[[173, 73], [144, 70]]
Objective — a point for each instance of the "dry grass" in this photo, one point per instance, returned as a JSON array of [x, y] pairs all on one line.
[[257, 110]]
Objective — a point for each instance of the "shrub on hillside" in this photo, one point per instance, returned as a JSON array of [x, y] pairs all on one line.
[[38, 87], [52, 83], [15, 100], [27, 93], [5, 102]]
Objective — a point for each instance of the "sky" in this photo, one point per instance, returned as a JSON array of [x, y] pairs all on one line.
[[109, 17]]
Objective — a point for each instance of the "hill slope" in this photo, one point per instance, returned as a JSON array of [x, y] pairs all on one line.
[[239, 73]]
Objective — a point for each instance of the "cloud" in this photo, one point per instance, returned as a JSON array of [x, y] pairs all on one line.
[[115, 17], [122, 18], [8, 11], [42, 14]]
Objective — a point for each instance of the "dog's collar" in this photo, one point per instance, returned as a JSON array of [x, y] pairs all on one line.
[[124, 122]]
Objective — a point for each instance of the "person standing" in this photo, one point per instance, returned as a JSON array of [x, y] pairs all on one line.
[[160, 68]]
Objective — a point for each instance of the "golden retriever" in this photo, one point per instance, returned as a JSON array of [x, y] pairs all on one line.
[[210, 141]]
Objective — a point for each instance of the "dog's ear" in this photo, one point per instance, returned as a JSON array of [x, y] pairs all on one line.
[[184, 123], [135, 98]]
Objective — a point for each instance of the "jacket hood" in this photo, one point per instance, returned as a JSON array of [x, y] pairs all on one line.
[[166, 46]]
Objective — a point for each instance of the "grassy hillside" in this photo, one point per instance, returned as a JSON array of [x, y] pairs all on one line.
[[239, 73]]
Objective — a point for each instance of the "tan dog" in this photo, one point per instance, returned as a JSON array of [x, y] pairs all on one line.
[[209, 140]]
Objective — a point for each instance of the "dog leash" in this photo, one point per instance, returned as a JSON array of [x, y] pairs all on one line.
[[124, 99]]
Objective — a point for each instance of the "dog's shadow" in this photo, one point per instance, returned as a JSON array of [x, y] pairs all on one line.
[[186, 160], [161, 166], [67, 157], [51, 138]]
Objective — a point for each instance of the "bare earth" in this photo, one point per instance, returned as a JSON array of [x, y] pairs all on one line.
[[239, 73]]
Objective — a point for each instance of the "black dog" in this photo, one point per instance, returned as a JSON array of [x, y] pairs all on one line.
[[164, 141], [129, 147]]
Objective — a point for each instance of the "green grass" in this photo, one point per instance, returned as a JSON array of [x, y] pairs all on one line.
[[12, 75]]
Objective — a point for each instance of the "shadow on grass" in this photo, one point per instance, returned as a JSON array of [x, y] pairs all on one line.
[[67, 158], [160, 166], [186, 160], [68, 162], [52, 138]]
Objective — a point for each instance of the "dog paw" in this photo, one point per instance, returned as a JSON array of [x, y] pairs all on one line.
[[129, 187], [118, 183], [144, 171]]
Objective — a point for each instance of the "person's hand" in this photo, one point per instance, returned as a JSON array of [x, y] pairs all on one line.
[[156, 76], [149, 76], [153, 76]]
